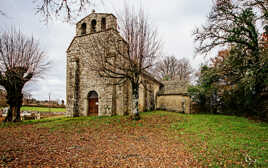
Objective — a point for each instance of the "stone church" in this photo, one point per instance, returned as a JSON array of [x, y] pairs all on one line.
[[88, 94]]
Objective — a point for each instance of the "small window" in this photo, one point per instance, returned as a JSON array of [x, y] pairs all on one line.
[[93, 25], [83, 28], [103, 24]]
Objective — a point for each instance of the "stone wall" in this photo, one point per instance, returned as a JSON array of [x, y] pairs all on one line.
[[80, 49], [111, 23], [88, 81], [122, 99], [177, 103], [172, 96], [148, 93], [112, 99]]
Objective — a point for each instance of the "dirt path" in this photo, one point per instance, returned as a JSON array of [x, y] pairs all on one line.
[[114, 144]]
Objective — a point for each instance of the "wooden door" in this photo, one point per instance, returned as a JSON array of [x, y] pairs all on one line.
[[92, 106]]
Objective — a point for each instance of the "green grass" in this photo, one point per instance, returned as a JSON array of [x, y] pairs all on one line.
[[67, 123], [214, 140], [225, 141], [43, 109]]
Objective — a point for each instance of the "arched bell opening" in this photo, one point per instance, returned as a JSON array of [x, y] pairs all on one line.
[[83, 28], [103, 24], [93, 26]]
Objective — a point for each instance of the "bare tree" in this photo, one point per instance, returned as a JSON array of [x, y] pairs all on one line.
[[166, 69], [3, 13], [184, 70], [170, 68], [235, 23], [239, 26], [69, 9], [127, 59], [232, 22], [21, 60]]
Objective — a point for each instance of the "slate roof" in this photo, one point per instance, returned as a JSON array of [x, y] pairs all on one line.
[[174, 87]]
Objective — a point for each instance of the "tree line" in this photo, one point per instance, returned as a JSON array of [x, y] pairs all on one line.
[[236, 78]]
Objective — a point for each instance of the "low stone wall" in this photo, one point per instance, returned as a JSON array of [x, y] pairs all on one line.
[[51, 114], [177, 103], [32, 115]]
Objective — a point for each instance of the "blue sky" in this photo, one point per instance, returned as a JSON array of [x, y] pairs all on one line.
[[174, 19]]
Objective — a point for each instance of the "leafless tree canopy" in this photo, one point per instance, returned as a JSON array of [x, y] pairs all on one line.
[[166, 69], [2, 13], [170, 68], [231, 22], [184, 70], [21, 59], [141, 36], [18, 52], [127, 58], [111, 59], [137, 50], [69, 9]]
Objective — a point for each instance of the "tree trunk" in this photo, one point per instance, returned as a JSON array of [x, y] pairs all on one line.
[[17, 108], [9, 116], [14, 100], [17, 111], [135, 101]]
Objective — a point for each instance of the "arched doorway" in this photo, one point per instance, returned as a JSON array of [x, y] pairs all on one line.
[[93, 103]]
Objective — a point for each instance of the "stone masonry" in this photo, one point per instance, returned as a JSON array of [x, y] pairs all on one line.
[[85, 90]]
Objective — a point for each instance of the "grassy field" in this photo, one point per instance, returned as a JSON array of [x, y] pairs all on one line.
[[224, 141], [43, 109], [212, 140]]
